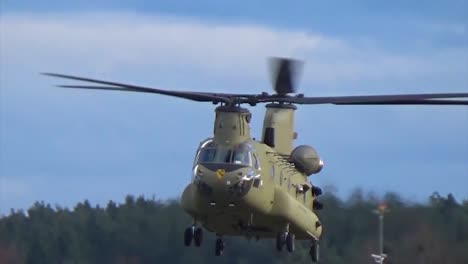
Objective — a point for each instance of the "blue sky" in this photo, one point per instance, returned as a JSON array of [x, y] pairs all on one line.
[[62, 146]]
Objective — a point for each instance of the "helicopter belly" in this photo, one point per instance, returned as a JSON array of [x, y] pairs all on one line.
[[250, 215], [303, 222], [226, 214]]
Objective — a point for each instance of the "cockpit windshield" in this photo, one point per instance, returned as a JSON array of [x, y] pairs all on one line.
[[241, 155], [213, 153]]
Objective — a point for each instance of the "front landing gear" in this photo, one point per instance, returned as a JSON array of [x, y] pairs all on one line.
[[314, 251], [188, 236], [198, 237], [219, 246], [279, 241], [193, 234]]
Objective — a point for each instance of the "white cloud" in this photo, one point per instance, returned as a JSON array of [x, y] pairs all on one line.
[[103, 42], [192, 54], [142, 41]]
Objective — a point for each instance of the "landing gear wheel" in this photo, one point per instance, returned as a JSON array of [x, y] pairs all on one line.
[[198, 237], [315, 251], [188, 236], [219, 247], [279, 241], [290, 242]]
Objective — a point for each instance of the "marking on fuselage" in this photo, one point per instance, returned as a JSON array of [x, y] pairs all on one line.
[[220, 173]]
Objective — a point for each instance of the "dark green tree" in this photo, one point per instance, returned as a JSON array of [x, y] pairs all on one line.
[[142, 230]]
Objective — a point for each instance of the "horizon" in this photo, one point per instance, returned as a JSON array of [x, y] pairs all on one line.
[[359, 194]]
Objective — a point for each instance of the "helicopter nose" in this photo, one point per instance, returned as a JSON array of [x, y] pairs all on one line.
[[223, 183]]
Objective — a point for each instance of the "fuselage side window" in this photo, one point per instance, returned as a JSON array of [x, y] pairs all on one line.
[[208, 143], [272, 171]]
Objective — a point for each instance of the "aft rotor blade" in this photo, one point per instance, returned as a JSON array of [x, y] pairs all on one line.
[[284, 73], [415, 102], [201, 97], [403, 99]]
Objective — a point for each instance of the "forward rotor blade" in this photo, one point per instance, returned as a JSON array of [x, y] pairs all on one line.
[[284, 72], [95, 87], [201, 97], [98, 87], [404, 99], [398, 99], [114, 88]]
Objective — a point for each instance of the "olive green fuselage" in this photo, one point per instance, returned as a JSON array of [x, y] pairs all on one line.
[[261, 196]]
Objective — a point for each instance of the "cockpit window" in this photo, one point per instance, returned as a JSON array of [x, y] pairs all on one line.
[[241, 157], [212, 153], [215, 155], [207, 155], [242, 154]]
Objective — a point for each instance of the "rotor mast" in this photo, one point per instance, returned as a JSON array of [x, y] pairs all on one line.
[[278, 123], [278, 127], [232, 125]]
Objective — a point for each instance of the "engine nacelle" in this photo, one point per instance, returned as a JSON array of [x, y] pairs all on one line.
[[306, 160]]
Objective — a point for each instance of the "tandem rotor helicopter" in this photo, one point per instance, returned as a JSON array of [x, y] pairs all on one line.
[[244, 187]]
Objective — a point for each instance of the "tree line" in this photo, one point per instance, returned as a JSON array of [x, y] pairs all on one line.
[[142, 230]]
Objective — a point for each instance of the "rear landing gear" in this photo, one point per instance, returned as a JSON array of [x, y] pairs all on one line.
[[219, 247], [314, 251], [290, 242], [195, 234], [280, 241], [285, 238]]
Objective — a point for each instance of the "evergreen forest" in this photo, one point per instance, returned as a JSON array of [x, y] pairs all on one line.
[[142, 230]]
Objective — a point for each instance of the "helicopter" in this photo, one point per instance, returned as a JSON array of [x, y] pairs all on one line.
[[259, 189]]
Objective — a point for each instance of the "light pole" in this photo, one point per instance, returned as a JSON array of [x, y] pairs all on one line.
[[380, 211]]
